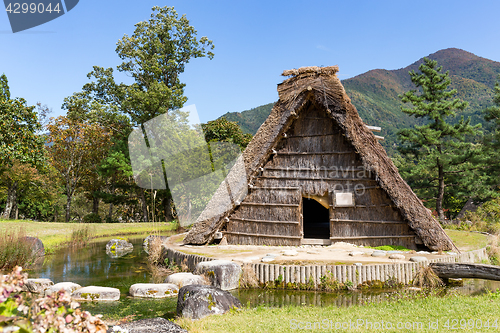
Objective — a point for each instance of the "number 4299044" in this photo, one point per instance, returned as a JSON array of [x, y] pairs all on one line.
[[24, 8]]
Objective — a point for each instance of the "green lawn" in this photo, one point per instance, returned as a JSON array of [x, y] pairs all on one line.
[[429, 314], [467, 241], [53, 234]]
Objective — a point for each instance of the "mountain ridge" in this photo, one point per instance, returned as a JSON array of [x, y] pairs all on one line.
[[375, 93]]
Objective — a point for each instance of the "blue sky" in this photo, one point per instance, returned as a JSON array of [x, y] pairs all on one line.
[[254, 42]]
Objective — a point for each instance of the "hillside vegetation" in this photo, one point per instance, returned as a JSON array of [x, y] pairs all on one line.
[[375, 93]]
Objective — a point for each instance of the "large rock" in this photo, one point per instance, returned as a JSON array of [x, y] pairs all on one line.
[[93, 293], [145, 244], [37, 245], [151, 325], [37, 285], [67, 286], [195, 301], [153, 290], [117, 248], [222, 274], [185, 279]]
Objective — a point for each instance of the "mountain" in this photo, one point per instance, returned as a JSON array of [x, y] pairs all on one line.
[[375, 93]]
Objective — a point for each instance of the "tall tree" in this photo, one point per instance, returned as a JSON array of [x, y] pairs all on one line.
[[440, 155], [76, 147], [154, 57], [19, 139], [492, 140], [83, 108]]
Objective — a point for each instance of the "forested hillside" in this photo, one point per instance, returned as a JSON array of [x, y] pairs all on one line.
[[375, 93]]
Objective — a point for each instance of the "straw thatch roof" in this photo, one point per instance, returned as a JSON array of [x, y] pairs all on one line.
[[320, 85]]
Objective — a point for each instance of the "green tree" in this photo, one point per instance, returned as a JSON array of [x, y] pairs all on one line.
[[223, 130], [76, 147], [438, 153], [19, 139], [492, 140], [154, 57]]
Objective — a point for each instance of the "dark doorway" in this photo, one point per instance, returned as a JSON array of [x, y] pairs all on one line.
[[316, 219]]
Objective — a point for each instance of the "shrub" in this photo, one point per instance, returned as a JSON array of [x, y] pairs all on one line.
[[81, 236], [92, 218], [52, 313], [248, 278], [16, 250], [426, 277], [486, 218]]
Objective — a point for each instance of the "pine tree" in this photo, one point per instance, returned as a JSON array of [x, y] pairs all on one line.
[[492, 140], [439, 158]]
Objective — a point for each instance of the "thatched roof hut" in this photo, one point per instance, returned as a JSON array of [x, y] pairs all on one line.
[[317, 174]]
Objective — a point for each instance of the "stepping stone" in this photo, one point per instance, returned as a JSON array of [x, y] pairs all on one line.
[[423, 252], [153, 290], [378, 254], [37, 285], [418, 259], [452, 253], [156, 325], [93, 293], [67, 286], [274, 255], [397, 256], [394, 251], [267, 259], [290, 253], [356, 253], [223, 274], [185, 279], [358, 264], [313, 252]]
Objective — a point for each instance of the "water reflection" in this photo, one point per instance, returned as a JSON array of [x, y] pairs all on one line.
[[91, 266], [282, 298]]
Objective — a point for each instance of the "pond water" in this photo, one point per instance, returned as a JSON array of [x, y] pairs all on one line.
[[92, 266]]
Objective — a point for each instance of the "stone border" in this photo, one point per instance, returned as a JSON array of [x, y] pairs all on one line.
[[400, 272]]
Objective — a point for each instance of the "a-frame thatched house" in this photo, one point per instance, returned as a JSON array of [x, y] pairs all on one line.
[[317, 174]]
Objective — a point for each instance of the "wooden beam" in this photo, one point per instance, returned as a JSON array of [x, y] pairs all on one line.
[[267, 204], [374, 128], [310, 135], [317, 178], [367, 221], [276, 188], [371, 206], [381, 138], [466, 271], [316, 153], [263, 221], [372, 237], [321, 170], [259, 235]]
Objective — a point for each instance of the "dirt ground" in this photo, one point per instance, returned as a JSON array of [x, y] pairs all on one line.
[[337, 253]]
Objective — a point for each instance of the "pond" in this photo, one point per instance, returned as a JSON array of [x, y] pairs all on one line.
[[91, 266]]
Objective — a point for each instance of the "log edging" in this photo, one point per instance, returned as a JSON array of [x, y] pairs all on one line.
[[401, 272]]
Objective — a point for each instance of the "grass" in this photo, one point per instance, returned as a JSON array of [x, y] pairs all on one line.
[[430, 311], [54, 234], [389, 248], [467, 241], [130, 309], [15, 250]]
